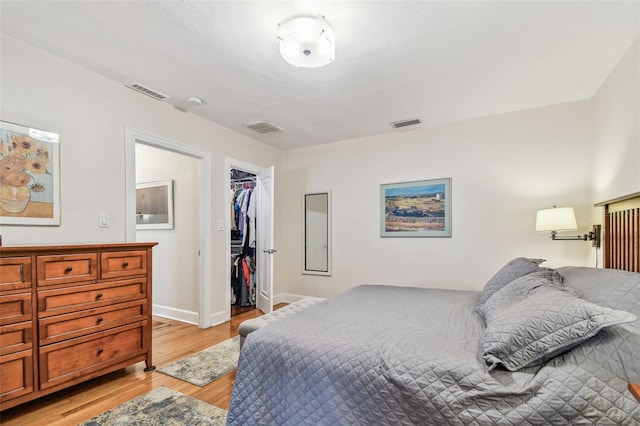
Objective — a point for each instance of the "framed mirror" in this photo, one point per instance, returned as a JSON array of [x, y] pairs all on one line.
[[316, 259]]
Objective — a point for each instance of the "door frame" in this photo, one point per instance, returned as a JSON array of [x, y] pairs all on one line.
[[132, 137], [229, 164]]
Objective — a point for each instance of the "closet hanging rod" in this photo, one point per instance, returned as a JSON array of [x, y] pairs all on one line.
[[247, 179]]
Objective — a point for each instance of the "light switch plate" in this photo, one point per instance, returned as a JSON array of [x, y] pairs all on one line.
[[104, 220], [220, 225]]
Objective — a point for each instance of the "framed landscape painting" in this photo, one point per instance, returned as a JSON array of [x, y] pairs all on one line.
[[29, 176], [416, 209]]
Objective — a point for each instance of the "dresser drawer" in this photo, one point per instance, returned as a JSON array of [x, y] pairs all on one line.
[[66, 269], [16, 337], [119, 264], [72, 299], [15, 273], [75, 358], [60, 327], [17, 375], [15, 308]]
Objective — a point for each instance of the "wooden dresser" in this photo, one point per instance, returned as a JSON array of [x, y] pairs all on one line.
[[71, 313]]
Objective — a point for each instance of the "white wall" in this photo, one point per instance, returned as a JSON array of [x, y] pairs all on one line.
[[503, 169], [176, 265], [91, 112], [615, 166], [616, 131]]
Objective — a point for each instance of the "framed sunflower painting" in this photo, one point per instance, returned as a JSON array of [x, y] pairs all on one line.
[[29, 176]]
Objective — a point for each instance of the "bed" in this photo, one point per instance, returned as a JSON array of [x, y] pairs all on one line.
[[536, 346]]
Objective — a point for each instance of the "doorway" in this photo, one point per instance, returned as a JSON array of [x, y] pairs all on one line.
[[254, 242], [176, 278], [243, 241], [201, 216]]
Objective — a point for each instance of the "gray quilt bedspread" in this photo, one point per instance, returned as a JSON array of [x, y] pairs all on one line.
[[409, 356]]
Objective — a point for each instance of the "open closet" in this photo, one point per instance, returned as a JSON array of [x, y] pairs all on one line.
[[243, 241]]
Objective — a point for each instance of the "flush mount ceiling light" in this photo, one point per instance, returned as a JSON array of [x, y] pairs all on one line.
[[307, 40]]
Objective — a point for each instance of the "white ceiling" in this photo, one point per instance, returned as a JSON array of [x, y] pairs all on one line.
[[438, 61]]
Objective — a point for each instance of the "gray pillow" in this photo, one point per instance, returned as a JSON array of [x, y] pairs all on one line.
[[519, 289], [541, 326], [613, 288], [515, 268]]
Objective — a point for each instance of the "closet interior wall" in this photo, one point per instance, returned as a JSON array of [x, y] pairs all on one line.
[[243, 241]]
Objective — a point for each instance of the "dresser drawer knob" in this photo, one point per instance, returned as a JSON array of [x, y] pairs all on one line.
[[125, 264], [98, 296], [68, 269], [100, 319], [100, 351]]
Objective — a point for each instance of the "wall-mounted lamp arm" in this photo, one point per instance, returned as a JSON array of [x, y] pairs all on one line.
[[593, 236]]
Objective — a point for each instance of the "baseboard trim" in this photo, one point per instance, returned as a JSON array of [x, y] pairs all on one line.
[[216, 318], [287, 298], [175, 314]]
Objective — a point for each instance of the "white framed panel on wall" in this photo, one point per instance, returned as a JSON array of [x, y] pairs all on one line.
[[154, 204]]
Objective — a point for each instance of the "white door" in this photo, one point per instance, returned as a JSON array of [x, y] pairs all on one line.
[[264, 242]]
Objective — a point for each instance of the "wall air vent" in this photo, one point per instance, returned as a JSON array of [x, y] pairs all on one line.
[[146, 91], [262, 127], [405, 123]]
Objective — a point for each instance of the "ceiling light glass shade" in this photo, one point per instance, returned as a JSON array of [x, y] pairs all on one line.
[[307, 40], [556, 219]]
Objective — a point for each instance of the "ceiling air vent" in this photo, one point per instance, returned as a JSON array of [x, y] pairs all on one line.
[[405, 123], [146, 91], [262, 127]]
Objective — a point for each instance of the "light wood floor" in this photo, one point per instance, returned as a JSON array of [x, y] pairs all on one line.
[[172, 340]]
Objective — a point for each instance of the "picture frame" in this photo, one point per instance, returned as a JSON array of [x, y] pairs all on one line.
[[29, 176], [154, 205], [416, 209]]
